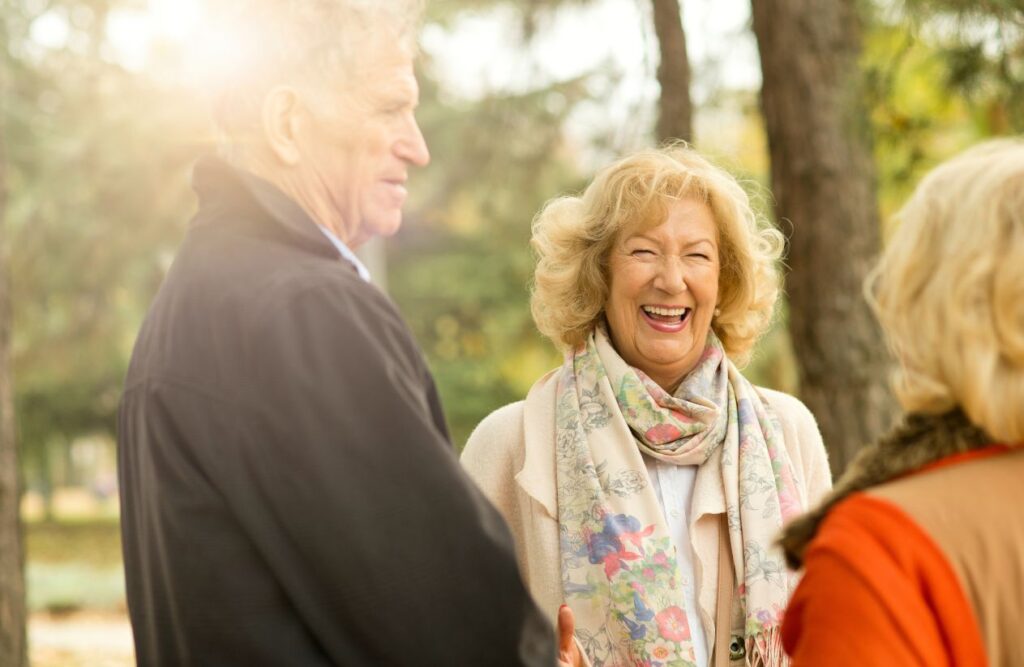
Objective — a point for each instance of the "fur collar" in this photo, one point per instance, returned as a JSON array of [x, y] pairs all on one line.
[[916, 442]]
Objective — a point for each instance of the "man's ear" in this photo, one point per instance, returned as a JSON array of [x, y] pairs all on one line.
[[282, 118]]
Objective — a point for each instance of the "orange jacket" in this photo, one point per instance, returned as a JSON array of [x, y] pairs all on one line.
[[894, 578]]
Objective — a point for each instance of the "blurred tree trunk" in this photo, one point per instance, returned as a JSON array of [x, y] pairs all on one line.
[[13, 644], [675, 112], [823, 178]]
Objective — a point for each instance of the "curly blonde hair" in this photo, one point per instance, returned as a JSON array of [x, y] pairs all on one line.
[[573, 237], [949, 290]]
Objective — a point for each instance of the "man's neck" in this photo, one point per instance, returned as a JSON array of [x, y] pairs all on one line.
[[296, 189]]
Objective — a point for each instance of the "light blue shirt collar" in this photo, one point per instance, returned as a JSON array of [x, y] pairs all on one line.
[[346, 253]]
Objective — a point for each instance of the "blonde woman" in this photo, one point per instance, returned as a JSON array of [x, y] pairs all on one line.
[[917, 558], [646, 480]]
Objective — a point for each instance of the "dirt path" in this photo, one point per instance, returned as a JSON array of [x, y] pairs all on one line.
[[84, 639]]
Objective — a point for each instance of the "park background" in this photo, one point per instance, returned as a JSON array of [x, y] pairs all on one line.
[[836, 106]]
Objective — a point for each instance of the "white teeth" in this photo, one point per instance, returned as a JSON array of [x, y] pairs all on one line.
[[666, 312]]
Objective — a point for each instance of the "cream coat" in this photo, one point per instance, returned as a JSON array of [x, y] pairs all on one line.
[[511, 455]]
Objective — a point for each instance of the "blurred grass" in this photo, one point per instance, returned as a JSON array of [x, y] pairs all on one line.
[[96, 542], [74, 565], [67, 587]]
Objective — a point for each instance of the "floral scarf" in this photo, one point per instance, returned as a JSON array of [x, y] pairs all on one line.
[[619, 567]]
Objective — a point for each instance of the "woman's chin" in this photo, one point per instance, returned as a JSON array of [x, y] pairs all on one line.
[[669, 369]]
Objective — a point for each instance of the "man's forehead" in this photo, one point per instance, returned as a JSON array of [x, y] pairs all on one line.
[[386, 68]]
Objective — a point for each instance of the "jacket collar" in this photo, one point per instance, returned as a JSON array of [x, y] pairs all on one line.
[[537, 476], [226, 191]]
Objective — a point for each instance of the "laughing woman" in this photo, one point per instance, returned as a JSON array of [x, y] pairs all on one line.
[[646, 480]]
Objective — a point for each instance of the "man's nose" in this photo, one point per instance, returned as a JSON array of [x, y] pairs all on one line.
[[413, 147]]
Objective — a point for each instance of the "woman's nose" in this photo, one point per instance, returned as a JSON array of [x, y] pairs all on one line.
[[671, 277]]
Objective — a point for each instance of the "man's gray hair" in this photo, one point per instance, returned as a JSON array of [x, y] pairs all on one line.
[[314, 45]]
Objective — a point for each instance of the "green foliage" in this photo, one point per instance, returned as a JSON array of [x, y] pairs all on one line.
[[941, 75], [98, 161], [98, 200], [461, 266], [1010, 11]]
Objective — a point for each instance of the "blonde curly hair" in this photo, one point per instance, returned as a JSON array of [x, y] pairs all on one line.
[[573, 237], [949, 290]]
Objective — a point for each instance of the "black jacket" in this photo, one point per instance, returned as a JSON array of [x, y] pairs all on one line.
[[289, 493]]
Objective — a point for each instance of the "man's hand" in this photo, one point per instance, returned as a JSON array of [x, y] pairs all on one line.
[[568, 650]]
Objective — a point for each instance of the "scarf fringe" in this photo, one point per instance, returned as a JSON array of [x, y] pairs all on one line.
[[765, 649]]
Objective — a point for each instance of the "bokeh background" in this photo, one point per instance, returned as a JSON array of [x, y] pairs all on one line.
[[103, 110]]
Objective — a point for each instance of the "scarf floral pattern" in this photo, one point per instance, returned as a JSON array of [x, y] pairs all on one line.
[[620, 572]]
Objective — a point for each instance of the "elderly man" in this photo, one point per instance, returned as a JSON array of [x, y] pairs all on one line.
[[289, 493]]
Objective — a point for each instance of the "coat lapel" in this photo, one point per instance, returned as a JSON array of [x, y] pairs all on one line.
[[537, 476]]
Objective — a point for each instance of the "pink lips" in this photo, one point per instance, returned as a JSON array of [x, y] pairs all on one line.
[[396, 190], [666, 327]]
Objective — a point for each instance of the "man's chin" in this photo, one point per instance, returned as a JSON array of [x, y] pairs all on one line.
[[386, 225]]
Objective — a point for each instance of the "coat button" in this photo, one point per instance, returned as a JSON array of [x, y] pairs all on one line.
[[737, 649]]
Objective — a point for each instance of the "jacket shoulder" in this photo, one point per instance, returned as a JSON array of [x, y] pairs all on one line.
[[494, 455], [790, 409], [495, 439], [803, 443]]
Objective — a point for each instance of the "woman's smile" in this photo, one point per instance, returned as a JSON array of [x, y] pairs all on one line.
[[667, 319]]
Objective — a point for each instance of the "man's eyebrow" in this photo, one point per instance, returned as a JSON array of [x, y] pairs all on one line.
[[404, 95]]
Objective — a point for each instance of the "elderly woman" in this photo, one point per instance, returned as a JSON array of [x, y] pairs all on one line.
[[646, 480], [917, 558]]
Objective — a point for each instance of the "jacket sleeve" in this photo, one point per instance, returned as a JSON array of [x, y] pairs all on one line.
[[345, 481]]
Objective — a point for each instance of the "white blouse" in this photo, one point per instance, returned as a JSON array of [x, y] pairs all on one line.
[[673, 485]]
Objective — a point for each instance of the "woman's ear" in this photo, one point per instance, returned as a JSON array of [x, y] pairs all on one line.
[[282, 118]]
